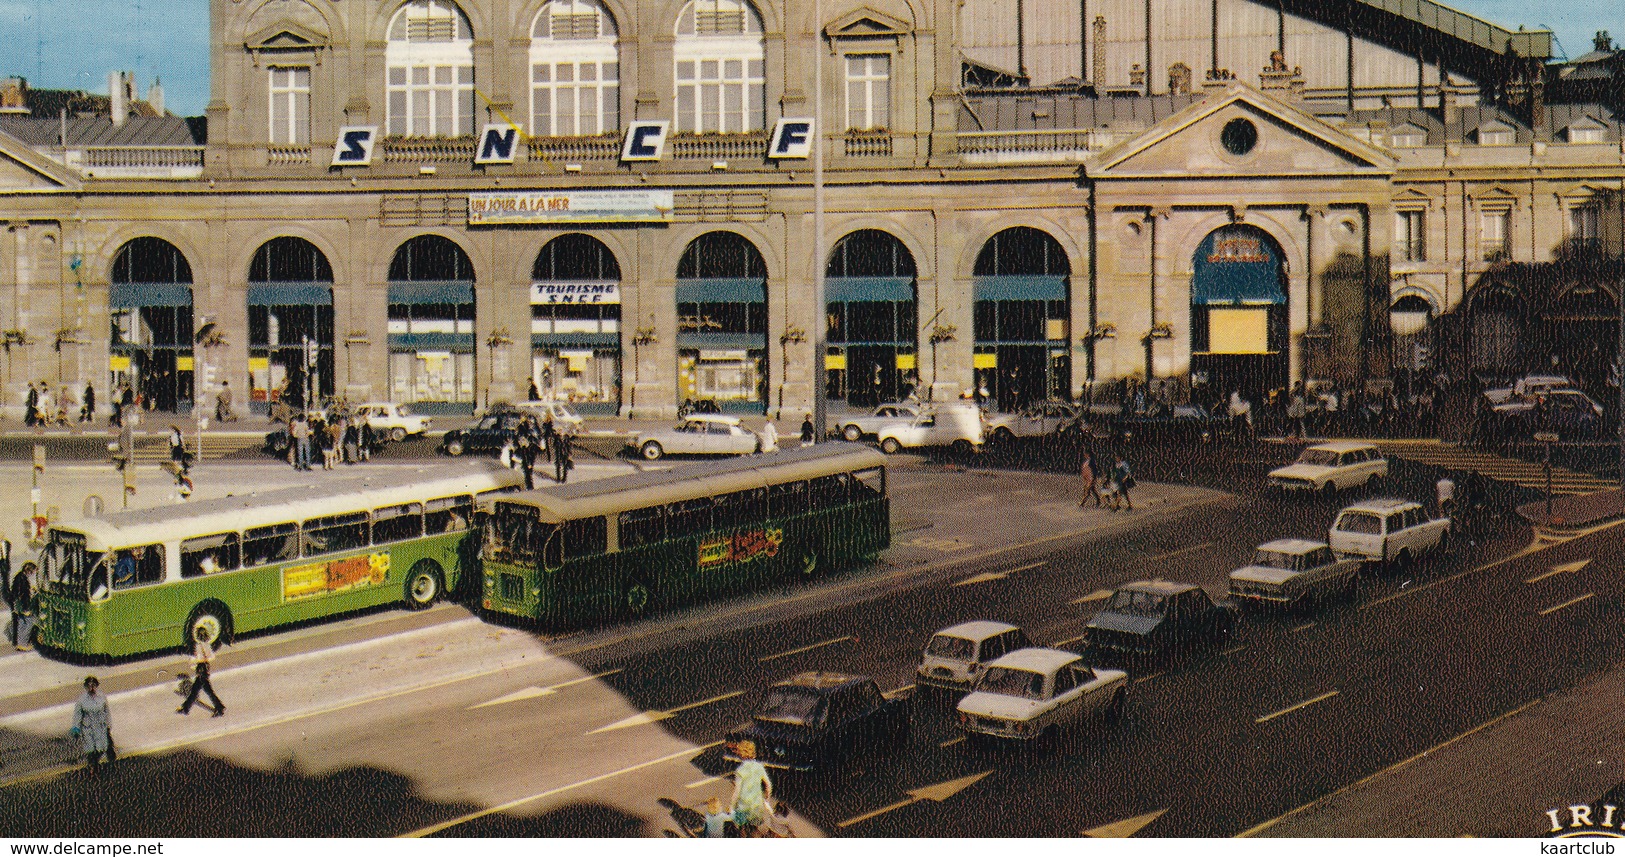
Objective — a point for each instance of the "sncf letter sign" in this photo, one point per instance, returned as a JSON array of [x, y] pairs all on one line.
[[792, 138], [354, 146], [497, 144], [645, 141]]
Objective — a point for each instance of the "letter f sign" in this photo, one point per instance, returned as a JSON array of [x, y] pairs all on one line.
[[354, 146], [792, 138]]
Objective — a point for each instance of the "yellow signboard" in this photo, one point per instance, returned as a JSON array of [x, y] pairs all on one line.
[[905, 362], [835, 361], [183, 363], [118, 363], [984, 361], [1238, 331], [259, 364], [339, 575]]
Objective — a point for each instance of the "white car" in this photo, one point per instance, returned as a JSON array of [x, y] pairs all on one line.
[[1294, 573], [854, 428], [958, 425], [1528, 386], [1388, 532], [699, 434], [955, 656], [1032, 692], [1332, 467], [564, 417], [388, 419], [1040, 419]]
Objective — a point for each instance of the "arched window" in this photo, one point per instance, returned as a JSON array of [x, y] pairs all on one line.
[[575, 311], [574, 70], [150, 306], [430, 61], [290, 323], [1021, 314], [720, 67]]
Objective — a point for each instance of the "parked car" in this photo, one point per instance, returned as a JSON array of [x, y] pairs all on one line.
[[957, 425], [954, 657], [486, 435], [1294, 573], [1570, 414], [856, 428], [1155, 618], [1528, 386], [564, 417], [1031, 693], [1332, 467], [391, 420], [698, 434], [817, 722], [1041, 419], [1390, 532], [1179, 422]]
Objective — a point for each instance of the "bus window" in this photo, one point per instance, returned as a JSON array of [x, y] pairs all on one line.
[[142, 565], [448, 514], [688, 517], [514, 534], [641, 527], [827, 492], [334, 533], [786, 500], [68, 566], [209, 554], [393, 523], [869, 484], [268, 545], [585, 537], [740, 509]]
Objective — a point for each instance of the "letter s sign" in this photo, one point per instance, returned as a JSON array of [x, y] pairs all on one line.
[[792, 138], [354, 146]]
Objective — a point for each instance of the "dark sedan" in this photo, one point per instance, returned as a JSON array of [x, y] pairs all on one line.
[[486, 436], [818, 722], [1157, 618]]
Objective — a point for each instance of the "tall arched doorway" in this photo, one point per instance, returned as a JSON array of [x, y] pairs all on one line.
[[431, 325], [575, 323], [150, 304], [722, 323], [1239, 313], [870, 310], [1021, 317], [290, 323], [1580, 332], [1496, 323], [1411, 317]]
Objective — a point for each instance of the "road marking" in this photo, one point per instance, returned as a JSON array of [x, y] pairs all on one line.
[[988, 576], [1067, 642], [1125, 828], [952, 741], [896, 690], [436, 828], [1232, 650], [1565, 568], [1528, 551], [1304, 704], [938, 792], [1304, 627], [707, 781], [533, 692], [648, 717], [1569, 603], [1173, 553], [764, 660], [1146, 678], [1030, 566], [1260, 828], [1097, 595]]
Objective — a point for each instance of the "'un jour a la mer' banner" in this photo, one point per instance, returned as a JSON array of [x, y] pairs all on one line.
[[601, 206]]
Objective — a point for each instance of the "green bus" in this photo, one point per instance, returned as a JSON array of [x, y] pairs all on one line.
[[149, 579], [626, 545]]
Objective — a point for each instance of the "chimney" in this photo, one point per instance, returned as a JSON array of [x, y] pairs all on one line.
[[155, 96], [118, 106]]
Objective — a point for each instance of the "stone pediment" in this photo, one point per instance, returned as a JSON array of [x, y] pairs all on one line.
[[24, 170], [1270, 138], [285, 37], [866, 23]]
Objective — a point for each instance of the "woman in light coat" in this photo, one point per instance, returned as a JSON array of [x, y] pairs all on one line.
[[752, 791], [93, 721]]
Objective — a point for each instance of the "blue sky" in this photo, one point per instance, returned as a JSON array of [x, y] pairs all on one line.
[[73, 44]]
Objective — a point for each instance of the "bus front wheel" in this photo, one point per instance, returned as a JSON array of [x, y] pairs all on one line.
[[212, 620], [638, 599], [423, 585]]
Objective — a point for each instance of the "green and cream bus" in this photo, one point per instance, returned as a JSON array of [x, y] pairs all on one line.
[[623, 546], [149, 579]]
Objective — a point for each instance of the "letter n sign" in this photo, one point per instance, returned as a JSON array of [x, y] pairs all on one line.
[[354, 146], [497, 144], [645, 141], [792, 138]]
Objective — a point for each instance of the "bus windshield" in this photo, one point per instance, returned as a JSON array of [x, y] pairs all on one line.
[[68, 565], [514, 534]]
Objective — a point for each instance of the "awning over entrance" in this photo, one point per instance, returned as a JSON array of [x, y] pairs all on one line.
[[1237, 266], [290, 294], [432, 292], [136, 295], [839, 289], [722, 290], [1020, 288], [575, 340]]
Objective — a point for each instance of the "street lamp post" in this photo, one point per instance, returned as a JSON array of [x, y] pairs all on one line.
[[820, 309]]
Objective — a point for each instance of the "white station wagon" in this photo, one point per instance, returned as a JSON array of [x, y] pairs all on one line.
[[388, 419], [956, 656], [699, 434], [1387, 531], [1332, 467], [1033, 692], [1294, 573]]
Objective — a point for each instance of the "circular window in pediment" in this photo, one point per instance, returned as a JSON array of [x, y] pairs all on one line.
[[1239, 136]]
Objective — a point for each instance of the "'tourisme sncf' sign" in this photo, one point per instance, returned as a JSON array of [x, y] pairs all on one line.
[[644, 141]]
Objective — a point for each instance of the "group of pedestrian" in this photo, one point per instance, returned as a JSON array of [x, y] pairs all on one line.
[[747, 813], [535, 439], [1106, 489], [341, 439]]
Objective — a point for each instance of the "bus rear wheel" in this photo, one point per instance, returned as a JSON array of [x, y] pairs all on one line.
[[423, 586], [212, 620], [637, 599]]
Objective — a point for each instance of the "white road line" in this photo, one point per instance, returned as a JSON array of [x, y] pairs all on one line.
[[1067, 642], [1569, 603], [1304, 627], [1029, 566], [1173, 553], [764, 660], [705, 782], [1304, 704], [1145, 678], [952, 741], [1097, 595]]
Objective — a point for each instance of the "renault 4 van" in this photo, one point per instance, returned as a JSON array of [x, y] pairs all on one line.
[[957, 425]]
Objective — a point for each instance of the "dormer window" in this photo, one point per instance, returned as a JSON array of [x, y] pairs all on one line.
[[1408, 137], [1586, 130], [1496, 134]]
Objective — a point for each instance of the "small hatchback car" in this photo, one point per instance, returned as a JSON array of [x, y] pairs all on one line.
[[1030, 693], [1332, 467], [955, 657]]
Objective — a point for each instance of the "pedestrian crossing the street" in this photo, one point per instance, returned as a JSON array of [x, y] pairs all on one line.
[[1527, 474]]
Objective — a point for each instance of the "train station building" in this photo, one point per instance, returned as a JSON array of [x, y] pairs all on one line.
[[445, 202]]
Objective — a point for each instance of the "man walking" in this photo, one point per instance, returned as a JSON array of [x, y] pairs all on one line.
[[23, 606], [561, 457], [87, 408], [202, 657], [299, 431]]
